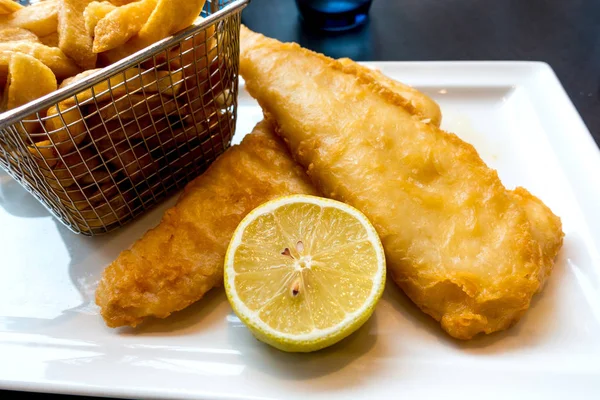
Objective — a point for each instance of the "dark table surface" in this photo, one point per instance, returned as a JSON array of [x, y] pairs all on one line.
[[565, 34]]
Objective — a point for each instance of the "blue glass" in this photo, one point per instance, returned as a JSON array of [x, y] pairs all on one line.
[[334, 15]]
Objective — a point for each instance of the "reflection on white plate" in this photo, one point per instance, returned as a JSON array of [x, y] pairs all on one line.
[[519, 119]]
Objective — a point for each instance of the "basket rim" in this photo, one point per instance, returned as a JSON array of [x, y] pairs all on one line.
[[10, 117]]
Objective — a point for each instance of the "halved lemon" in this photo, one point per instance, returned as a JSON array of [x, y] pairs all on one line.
[[304, 272]]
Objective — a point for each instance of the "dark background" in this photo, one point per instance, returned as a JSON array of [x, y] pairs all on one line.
[[565, 34]]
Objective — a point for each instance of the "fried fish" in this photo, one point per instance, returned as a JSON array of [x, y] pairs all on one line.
[[177, 262], [466, 250]]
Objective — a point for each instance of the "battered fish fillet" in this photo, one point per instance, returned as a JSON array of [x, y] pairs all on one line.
[[467, 251], [417, 103], [176, 263]]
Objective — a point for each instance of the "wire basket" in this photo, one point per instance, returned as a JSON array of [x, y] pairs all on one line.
[[105, 148]]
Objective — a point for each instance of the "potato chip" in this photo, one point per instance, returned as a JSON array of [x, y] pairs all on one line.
[[52, 57], [13, 34], [73, 38], [119, 85], [9, 6], [73, 166], [50, 40], [39, 18], [134, 81], [78, 77], [94, 12], [74, 197], [45, 153], [119, 3], [168, 17], [121, 24], [133, 161], [197, 56], [136, 106], [22, 71], [19, 90], [106, 213], [66, 128]]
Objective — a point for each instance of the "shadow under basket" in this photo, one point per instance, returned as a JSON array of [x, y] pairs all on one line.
[[106, 147]]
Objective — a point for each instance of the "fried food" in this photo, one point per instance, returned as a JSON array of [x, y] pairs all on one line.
[[144, 108], [176, 263], [419, 104], [119, 3], [73, 38], [22, 71], [134, 81], [73, 167], [135, 106], [40, 18], [94, 12], [53, 58], [50, 40], [168, 17], [109, 211], [459, 244], [121, 24], [13, 34], [77, 78], [9, 6], [65, 127], [135, 162], [546, 228], [44, 153], [134, 130]]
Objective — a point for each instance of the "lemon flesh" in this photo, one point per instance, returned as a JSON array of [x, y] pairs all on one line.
[[303, 272]]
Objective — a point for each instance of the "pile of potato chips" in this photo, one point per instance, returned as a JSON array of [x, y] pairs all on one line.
[[101, 149]]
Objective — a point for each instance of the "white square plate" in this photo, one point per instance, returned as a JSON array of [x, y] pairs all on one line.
[[523, 124]]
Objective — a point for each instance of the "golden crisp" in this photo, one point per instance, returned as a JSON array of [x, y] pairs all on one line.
[[423, 106], [9, 6], [40, 18], [135, 106], [44, 153], [135, 162], [545, 226], [122, 2], [66, 128], [176, 263], [168, 17], [13, 34], [134, 81], [73, 38], [459, 244], [50, 40], [94, 12], [121, 24], [73, 167], [23, 70], [52, 57]]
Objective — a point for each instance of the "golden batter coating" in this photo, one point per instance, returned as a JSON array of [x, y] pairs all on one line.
[[177, 262], [460, 245]]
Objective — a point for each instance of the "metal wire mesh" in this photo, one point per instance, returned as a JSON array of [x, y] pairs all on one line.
[[113, 143]]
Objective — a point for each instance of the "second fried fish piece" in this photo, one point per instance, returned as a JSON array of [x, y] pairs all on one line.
[[459, 244], [176, 263]]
